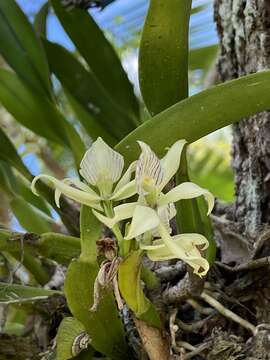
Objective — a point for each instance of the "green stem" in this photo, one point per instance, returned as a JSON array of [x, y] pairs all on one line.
[[108, 209]]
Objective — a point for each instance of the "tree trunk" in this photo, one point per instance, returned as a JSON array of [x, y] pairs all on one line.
[[244, 31]]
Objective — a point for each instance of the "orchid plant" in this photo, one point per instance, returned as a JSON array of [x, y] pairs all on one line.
[[148, 217]]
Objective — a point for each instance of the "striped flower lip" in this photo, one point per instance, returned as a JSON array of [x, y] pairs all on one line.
[[101, 167]]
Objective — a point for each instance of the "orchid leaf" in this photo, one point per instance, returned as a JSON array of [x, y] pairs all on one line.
[[15, 293], [40, 22], [69, 331], [103, 325], [27, 106], [21, 48], [203, 57], [84, 87], [90, 233], [163, 60], [100, 56], [8, 153], [130, 273], [11, 244], [29, 218], [201, 114], [58, 247]]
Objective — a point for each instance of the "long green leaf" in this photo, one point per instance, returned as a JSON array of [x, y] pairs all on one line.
[[201, 114], [58, 247], [106, 118], [14, 185], [163, 59], [30, 108], [99, 55], [23, 188], [15, 293], [29, 218], [202, 58], [27, 106], [40, 22], [22, 49], [9, 154]]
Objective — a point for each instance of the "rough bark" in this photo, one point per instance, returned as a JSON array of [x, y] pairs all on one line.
[[244, 30]]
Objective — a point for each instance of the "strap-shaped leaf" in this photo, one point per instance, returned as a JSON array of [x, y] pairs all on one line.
[[27, 106], [10, 293], [14, 185], [40, 22], [202, 58], [163, 59], [23, 188], [58, 247], [100, 57], [129, 278], [29, 218], [22, 49], [103, 326], [201, 114], [9, 154], [30, 108], [107, 119]]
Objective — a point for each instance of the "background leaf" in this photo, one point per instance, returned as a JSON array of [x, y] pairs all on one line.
[[22, 49], [9, 154], [40, 22], [100, 56], [203, 57], [9, 292], [84, 87]]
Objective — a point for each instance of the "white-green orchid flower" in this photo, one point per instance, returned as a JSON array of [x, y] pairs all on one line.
[[101, 167], [154, 209], [152, 175], [183, 246]]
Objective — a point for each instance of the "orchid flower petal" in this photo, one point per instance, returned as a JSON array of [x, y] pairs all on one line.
[[171, 161], [101, 164], [143, 220], [165, 213], [83, 197], [78, 184], [188, 240], [125, 179], [148, 170], [125, 192], [121, 212], [157, 244], [187, 190], [177, 248]]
